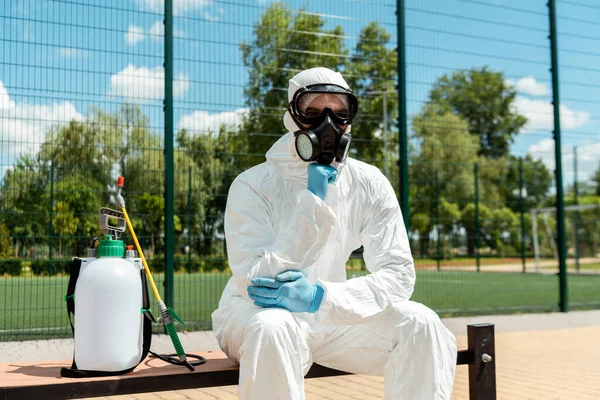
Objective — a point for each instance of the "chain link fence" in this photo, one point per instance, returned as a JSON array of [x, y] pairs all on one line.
[[83, 100]]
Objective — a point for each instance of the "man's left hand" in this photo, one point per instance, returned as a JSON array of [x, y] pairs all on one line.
[[290, 290]]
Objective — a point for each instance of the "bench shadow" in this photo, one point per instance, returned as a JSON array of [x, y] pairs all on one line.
[[39, 370]]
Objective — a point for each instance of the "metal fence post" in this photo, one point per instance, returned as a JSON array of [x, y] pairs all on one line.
[[169, 157], [437, 219], [522, 212], [576, 202], [51, 214], [476, 183], [189, 215], [402, 123], [560, 202]]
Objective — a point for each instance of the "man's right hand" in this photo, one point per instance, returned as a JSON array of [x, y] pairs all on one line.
[[319, 177]]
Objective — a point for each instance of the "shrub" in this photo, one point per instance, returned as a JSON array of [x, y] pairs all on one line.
[[38, 267], [45, 267], [183, 264], [220, 264], [157, 264], [11, 267]]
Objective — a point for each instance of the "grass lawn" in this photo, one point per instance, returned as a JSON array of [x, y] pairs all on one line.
[[34, 308]]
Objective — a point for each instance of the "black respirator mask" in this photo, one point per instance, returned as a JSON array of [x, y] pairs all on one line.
[[323, 141]]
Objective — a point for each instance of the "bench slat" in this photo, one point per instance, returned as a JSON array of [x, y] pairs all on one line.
[[42, 380]]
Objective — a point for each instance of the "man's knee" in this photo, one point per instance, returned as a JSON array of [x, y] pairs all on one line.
[[272, 324], [274, 336], [419, 318]]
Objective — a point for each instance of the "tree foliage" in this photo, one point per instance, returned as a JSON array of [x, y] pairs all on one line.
[[485, 101], [596, 180]]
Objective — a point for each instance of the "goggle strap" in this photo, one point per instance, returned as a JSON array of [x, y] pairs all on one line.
[[298, 123]]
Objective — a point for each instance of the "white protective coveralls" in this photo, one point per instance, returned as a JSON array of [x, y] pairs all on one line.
[[365, 325]]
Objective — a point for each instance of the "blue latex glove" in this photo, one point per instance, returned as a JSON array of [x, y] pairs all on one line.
[[319, 176], [290, 290]]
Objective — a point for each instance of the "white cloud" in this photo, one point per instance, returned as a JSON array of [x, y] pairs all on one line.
[[71, 53], [209, 17], [179, 6], [134, 34], [540, 115], [529, 85], [544, 150], [157, 31], [202, 121], [139, 85], [23, 126], [587, 159], [5, 102]]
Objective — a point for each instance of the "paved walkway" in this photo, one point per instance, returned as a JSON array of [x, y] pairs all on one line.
[[539, 356], [546, 267]]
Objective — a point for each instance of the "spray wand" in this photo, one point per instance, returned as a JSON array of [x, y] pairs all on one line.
[[167, 314]]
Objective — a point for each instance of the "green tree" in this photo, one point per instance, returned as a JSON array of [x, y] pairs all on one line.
[[151, 211], [64, 223], [144, 174], [536, 182], [443, 145], [6, 248], [596, 180], [371, 71], [23, 207], [468, 222], [588, 224], [70, 178], [123, 134], [77, 147], [219, 156], [485, 101]]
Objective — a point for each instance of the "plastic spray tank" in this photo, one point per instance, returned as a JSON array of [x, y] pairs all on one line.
[[108, 312]]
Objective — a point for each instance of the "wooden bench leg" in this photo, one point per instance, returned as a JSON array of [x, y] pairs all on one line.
[[482, 369]]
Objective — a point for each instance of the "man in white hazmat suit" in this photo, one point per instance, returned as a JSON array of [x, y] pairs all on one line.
[[291, 225]]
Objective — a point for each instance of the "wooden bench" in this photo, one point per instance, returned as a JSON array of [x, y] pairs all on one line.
[[42, 380]]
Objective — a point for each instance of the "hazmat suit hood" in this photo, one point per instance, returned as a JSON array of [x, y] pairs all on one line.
[[283, 152]]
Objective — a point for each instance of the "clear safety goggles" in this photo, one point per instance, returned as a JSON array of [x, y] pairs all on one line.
[[308, 105]]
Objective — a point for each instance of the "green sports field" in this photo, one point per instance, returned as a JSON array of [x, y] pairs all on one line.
[[34, 307]]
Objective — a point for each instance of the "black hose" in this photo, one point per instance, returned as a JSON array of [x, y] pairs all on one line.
[[174, 359]]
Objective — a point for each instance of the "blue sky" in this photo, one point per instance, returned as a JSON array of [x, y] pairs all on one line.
[[63, 57]]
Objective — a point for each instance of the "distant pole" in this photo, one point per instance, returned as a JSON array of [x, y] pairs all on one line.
[[536, 242], [576, 201], [189, 216], [51, 212], [437, 220], [560, 201], [402, 123], [522, 212], [477, 244]]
